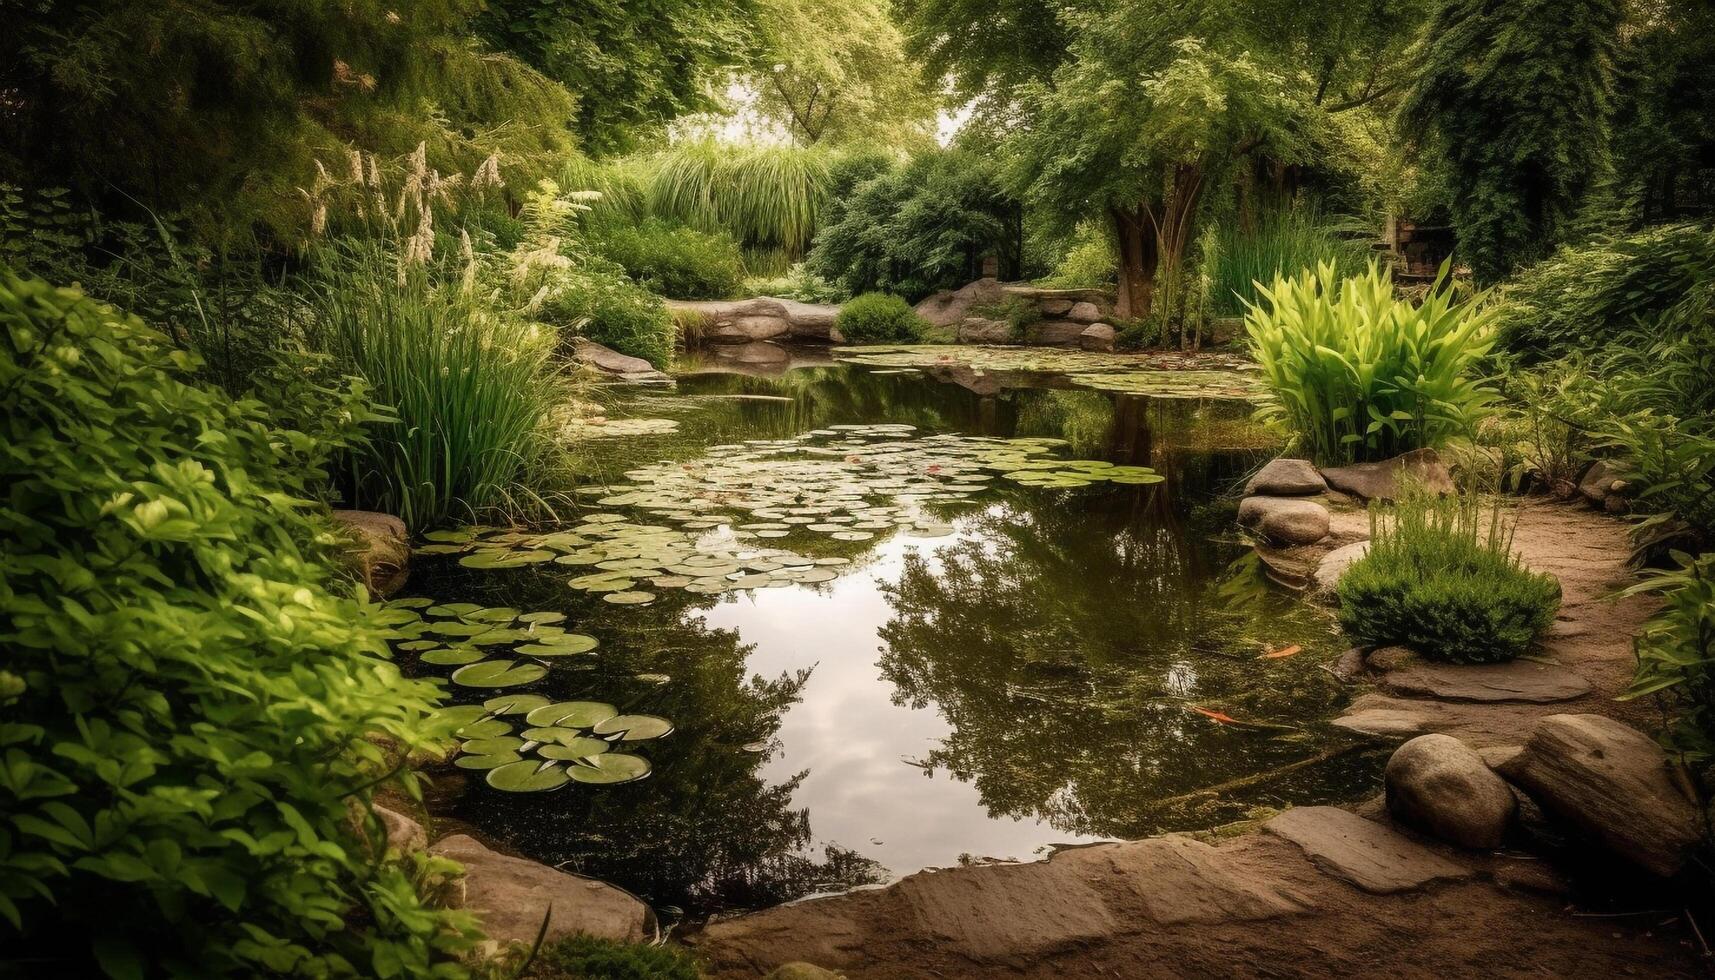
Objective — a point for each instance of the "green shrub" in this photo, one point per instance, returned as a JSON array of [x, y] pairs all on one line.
[[1662, 279], [676, 261], [589, 958], [185, 701], [1016, 312], [1676, 653], [880, 318], [1280, 243], [760, 194], [1356, 374], [1088, 264], [596, 300], [471, 387], [1441, 580], [798, 284]]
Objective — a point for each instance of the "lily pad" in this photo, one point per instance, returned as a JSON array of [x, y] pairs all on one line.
[[499, 673], [634, 728], [561, 646], [528, 776], [571, 714], [514, 704], [608, 768]]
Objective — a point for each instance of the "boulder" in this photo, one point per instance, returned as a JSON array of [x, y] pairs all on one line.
[[1084, 312], [1326, 578], [763, 318], [1285, 519], [1285, 477], [1515, 681], [1612, 783], [750, 327], [510, 896], [1439, 785], [1097, 337], [380, 549], [609, 361], [1055, 306], [977, 330], [1384, 722], [403, 834], [1602, 486], [1055, 333], [1422, 468], [759, 353], [948, 307]]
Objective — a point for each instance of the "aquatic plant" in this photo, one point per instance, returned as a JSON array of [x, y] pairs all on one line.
[[1280, 243], [187, 697], [1441, 580], [879, 318], [1356, 374]]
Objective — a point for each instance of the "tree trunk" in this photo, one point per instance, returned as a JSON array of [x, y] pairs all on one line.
[[1173, 224], [1138, 252]]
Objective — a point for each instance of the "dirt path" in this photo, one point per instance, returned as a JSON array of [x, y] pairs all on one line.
[[1315, 892]]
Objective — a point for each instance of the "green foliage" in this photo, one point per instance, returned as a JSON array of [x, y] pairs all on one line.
[[1357, 374], [922, 227], [1441, 580], [187, 698], [762, 195], [1279, 244], [1664, 113], [471, 388], [1676, 651], [1582, 298], [798, 283], [598, 301], [879, 318], [676, 261], [589, 958], [1088, 264], [1512, 102], [38, 228], [1016, 311]]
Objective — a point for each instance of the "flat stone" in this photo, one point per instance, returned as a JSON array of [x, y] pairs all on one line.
[[949, 306], [1097, 337], [1325, 580], [1005, 910], [1384, 722], [510, 896], [1362, 852], [1287, 478], [1613, 783], [1180, 880], [604, 358], [1055, 307], [1496, 757], [380, 548], [1516, 680], [1438, 785], [402, 833], [1349, 666], [1288, 520], [977, 330], [1054, 333], [1084, 312], [1381, 481]]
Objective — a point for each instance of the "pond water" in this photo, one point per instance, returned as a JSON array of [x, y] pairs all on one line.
[[973, 669]]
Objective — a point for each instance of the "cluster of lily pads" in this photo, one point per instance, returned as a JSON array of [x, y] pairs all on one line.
[[585, 428], [849, 483], [561, 742], [1189, 374]]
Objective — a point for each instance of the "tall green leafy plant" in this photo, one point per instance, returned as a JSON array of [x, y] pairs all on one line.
[[186, 700], [1357, 374], [1280, 243], [1676, 653], [762, 195]]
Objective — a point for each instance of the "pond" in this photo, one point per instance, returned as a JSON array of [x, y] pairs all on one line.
[[894, 624]]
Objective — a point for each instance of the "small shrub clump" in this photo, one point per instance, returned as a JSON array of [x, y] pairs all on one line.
[[596, 300], [675, 261], [1442, 581], [880, 318], [798, 283], [185, 698], [590, 958]]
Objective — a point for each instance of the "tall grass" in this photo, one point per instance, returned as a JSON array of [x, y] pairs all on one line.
[[1282, 243], [763, 195], [471, 389], [1356, 374]]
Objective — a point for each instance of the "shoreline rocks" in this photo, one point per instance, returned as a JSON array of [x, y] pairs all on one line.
[[1287, 520], [381, 548], [606, 360], [1286, 477], [510, 896], [762, 318], [1438, 784], [1422, 468]]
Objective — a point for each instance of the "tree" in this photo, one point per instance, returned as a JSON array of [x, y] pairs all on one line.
[[988, 48], [836, 70], [1512, 102]]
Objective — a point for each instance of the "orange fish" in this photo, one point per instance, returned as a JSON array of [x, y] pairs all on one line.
[[1213, 715], [1282, 652]]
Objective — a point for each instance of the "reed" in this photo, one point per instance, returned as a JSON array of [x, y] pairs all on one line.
[[765, 196]]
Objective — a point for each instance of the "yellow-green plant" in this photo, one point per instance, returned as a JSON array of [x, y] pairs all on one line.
[[1357, 374], [760, 195]]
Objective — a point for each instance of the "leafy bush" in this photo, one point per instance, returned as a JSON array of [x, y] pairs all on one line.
[[1016, 311], [1357, 374], [1281, 243], [1676, 651], [760, 194], [1088, 264], [798, 284], [186, 700], [471, 388], [1436, 580], [880, 318], [596, 300], [923, 227], [1662, 279], [676, 261], [589, 958]]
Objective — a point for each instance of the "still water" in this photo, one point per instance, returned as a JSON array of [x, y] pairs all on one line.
[[1042, 673]]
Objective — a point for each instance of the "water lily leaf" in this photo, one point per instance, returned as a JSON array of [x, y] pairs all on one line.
[[412, 602], [495, 745], [496, 614], [453, 656], [486, 728], [542, 618], [459, 535], [607, 768], [575, 748], [560, 646], [489, 762], [571, 714], [514, 704], [629, 598], [634, 728], [499, 673], [528, 776], [453, 609], [456, 628], [449, 718], [417, 645]]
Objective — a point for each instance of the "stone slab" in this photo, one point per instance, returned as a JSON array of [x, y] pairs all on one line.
[[1180, 880], [1362, 852], [1518, 680], [1005, 910]]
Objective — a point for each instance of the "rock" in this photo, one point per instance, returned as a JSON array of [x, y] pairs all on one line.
[[749, 328], [1285, 567], [1097, 337], [1285, 519], [1384, 722], [1392, 658], [758, 353], [1437, 784], [1054, 333], [1613, 783], [609, 361], [802, 971], [1004, 910], [511, 895], [763, 318], [380, 552], [1285, 477], [1055, 306], [1536, 877], [1325, 580], [1180, 880], [1381, 481], [1496, 757], [1084, 312], [1349, 666], [1365, 853], [977, 330], [403, 834], [1517, 680], [1602, 486], [947, 307]]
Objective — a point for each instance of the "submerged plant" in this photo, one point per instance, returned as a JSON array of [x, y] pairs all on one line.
[[1356, 374], [1441, 580]]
